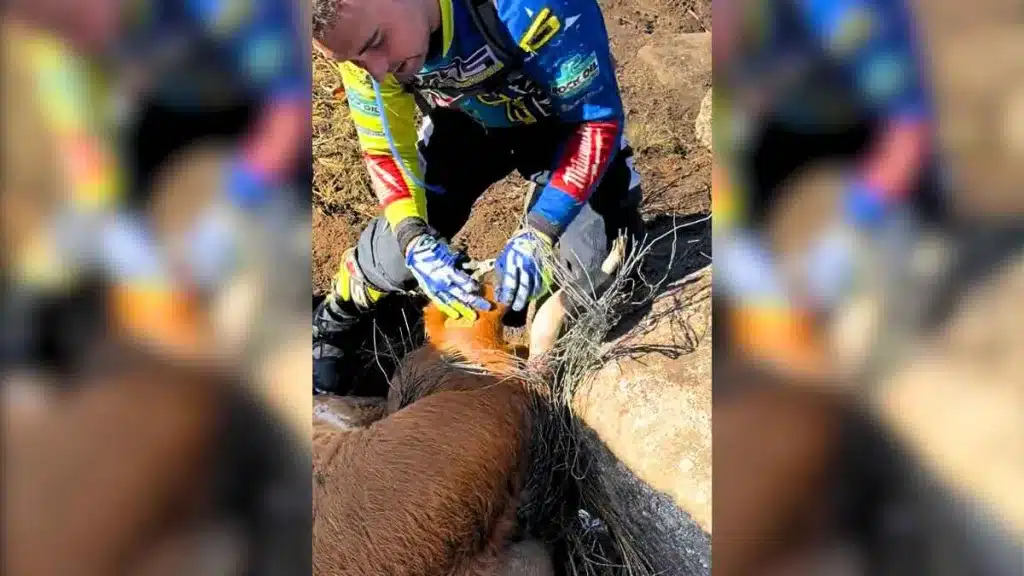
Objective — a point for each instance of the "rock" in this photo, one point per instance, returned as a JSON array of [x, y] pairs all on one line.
[[969, 435], [702, 125], [653, 410], [647, 438], [681, 62]]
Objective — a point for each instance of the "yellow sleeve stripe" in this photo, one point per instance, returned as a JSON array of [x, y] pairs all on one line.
[[401, 209], [390, 184], [74, 95]]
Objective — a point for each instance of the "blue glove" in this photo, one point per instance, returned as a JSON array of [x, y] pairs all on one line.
[[436, 269], [213, 245], [245, 187], [832, 266], [520, 269], [864, 206]]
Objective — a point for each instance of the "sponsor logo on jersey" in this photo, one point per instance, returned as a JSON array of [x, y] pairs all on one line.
[[886, 77], [362, 104], [575, 74], [542, 29], [589, 150], [462, 72], [266, 55], [387, 179]]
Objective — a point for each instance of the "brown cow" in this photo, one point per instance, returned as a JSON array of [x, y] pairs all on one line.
[[128, 470], [433, 487], [431, 482]]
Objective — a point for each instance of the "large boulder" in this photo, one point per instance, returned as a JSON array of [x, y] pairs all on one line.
[[957, 404], [652, 406], [645, 414]]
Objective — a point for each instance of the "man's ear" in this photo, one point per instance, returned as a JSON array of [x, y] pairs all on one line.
[[322, 50]]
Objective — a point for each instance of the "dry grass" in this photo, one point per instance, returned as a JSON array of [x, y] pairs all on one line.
[[340, 181]]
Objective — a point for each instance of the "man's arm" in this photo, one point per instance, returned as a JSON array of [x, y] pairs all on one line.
[[568, 54], [70, 94], [401, 198], [876, 45]]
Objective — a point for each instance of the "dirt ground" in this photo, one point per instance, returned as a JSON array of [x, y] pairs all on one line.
[[675, 168]]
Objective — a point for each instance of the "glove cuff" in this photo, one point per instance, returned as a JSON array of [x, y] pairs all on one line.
[[866, 205], [539, 224], [410, 229]]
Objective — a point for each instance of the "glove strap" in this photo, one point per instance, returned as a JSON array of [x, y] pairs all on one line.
[[409, 229]]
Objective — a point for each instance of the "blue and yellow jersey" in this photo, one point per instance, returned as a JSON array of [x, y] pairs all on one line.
[[192, 52], [857, 59], [834, 64], [204, 51], [566, 77]]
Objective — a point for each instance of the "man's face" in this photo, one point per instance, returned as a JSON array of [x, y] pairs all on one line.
[[380, 36], [90, 26]]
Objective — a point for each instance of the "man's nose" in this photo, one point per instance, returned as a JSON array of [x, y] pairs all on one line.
[[377, 66]]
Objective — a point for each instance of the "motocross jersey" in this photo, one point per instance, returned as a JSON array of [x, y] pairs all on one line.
[[192, 53], [208, 52], [837, 61], [566, 76], [820, 65]]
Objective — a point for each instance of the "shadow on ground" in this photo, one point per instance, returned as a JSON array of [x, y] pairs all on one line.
[[680, 246], [660, 537], [983, 250]]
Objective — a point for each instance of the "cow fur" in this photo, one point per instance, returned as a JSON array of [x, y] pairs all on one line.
[[434, 486]]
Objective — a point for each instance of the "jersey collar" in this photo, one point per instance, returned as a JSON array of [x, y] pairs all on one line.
[[447, 25]]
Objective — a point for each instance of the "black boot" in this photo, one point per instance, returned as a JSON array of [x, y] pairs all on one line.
[[335, 346], [340, 329]]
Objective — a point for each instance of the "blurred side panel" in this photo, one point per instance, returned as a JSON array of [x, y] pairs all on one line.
[[869, 262], [155, 423]]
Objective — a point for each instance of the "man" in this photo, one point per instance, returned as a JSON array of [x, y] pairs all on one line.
[[800, 81], [521, 84], [183, 67]]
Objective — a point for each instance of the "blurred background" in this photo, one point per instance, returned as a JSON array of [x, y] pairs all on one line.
[[868, 199], [155, 251]]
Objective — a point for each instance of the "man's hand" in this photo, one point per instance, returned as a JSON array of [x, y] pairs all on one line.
[[520, 268], [435, 267]]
